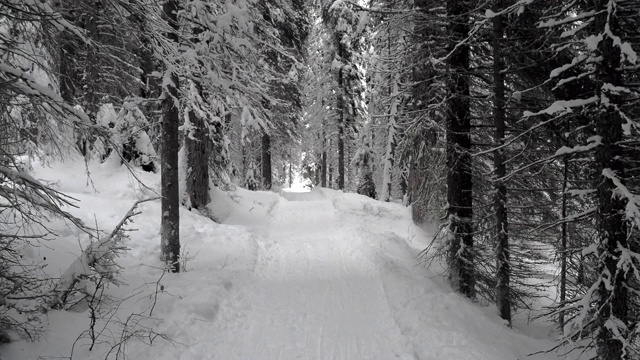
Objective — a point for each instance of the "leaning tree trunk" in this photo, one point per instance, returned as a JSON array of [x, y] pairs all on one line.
[[170, 224], [459, 180], [503, 267], [266, 162], [613, 296]]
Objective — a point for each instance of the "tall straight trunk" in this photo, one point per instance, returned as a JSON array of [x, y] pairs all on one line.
[[170, 223], [197, 146], [91, 74], [613, 296], [331, 176], [563, 240], [323, 180], [389, 158], [267, 180], [459, 179], [341, 149], [404, 185], [290, 174], [68, 75], [389, 155], [422, 93], [342, 112], [147, 66], [198, 149], [503, 268]]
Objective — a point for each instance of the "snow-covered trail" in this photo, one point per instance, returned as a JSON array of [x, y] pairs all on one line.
[[317, 275], [314, 294]]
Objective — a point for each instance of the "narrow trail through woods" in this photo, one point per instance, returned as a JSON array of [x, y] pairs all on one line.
[[315, 293]]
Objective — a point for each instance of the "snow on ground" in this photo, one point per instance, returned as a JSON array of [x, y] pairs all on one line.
[[295, 275]]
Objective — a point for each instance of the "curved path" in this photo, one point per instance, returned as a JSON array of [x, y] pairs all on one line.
[[314, 294]]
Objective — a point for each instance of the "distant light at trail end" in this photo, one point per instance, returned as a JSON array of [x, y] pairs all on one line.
[[298, 184]]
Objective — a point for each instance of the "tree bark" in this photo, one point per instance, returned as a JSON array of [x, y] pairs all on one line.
[[290, 174], [422, 93], [389, 158], [341, 148], [613, 297], [197, 163], [342, 93], [267, 180], [503, 267], [459, 179], [170, 224], [323, 179], [563, 240]]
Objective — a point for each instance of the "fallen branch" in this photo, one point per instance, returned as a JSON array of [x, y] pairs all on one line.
[[98, 256]]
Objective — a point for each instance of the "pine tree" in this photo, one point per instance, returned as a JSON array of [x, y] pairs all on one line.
[[502, 249], [170, 224], [345, 40], [36, 121], [458, 127], [604, 51], [287, 26]]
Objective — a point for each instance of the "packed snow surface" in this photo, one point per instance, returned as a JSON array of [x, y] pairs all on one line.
[[315, 275]]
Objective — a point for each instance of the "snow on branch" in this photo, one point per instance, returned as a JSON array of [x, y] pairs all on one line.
[[21, 190], [22, 83], [563, 106], [98, 256], [633, 201], [593, 142]]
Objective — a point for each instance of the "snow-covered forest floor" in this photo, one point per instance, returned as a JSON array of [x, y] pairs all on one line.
[[315, 275]]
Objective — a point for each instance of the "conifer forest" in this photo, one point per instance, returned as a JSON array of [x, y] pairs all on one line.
[[505, 132]]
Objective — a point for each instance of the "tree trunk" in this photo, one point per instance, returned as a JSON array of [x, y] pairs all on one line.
[[404, 186], [503, 267], [290, 174], [563, 240], [389, 157], [323, 180], [331, 176], [267, 180], [459, 179], [613, 294], [197, 163], [341, 105], [68, 75], [341, 149], [422, 93], [170, 224]]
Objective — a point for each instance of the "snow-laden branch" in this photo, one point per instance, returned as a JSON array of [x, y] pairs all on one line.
[[98, 256], [633, 201], [22, 83], [20, 189]]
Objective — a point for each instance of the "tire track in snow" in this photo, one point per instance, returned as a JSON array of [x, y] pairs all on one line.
[[313, 295]]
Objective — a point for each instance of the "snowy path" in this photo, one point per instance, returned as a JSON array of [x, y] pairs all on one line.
[[313, 294], [318, 275]]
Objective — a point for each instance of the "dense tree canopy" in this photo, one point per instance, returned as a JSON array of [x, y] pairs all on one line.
[[512, 124]]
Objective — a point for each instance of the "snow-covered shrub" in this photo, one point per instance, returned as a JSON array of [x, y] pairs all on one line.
[[128, 135], [26, 207], [362, 160], [250, 178]]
